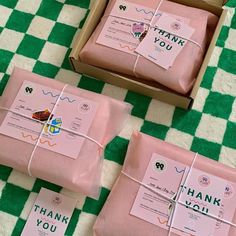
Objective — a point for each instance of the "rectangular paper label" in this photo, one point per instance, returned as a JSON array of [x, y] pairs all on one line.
[[127, 25], [206, 193], [50, 215], [164, 176], [37, 101], [161, 44]]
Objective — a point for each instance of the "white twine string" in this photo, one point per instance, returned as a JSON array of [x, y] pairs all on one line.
[[48, 123], [149, 26], [177, 200], [42, 131]]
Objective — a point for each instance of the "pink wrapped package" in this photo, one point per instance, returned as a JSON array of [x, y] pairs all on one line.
[[157, 40], [57, 132], [165, 190]]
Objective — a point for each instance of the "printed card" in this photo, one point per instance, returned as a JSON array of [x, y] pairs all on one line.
[[164, 42], [166, 177], [202, 195], [37, 102], [50, 215]]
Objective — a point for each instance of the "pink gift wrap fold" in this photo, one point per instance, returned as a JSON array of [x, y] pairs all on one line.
[[81, 174], [115, 218], [181, 76]]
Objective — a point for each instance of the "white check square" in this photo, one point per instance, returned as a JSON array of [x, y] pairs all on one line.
[[211, 128], [10, 39], [71, 15], [179, 138], [5, 13], [53, 54], [41, 27], [160, 113], [28, 6]]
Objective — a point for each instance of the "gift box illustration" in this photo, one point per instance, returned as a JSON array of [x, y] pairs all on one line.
[[55, 127]]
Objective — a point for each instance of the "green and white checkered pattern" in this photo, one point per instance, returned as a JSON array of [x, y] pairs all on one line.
[[38, 35]]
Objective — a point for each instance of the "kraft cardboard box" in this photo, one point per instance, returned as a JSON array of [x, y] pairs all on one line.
[[148, 88]]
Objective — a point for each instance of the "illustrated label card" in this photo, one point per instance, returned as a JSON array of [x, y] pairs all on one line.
[[164, 176], [164, 42], [201, 196], [37, 102], [50, 215], [128, 25]]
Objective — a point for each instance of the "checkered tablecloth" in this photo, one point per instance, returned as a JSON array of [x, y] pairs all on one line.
[[38, 35]]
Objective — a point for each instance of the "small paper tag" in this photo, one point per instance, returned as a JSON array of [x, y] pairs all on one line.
[[37, 101], [50, 215], [164, 42]]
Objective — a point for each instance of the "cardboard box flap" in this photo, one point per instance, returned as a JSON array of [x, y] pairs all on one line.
[[219, 3]]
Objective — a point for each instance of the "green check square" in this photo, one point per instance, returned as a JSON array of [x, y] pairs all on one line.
[[73, 222], [84, 19], [229, 138], [8, 3], [227, 60], [116, 150], [62, 34], [81, 3], [5, 172], [39, 183], [219, 105], [3, 83], [13, 199], [18, 227], [94, 206], [31, 46], [206, 148], [45, 69], [231, 3], [66, 63], [233, 22], [6, 57], [140, 103], [19, 21], [155, 130], [209, 77], [186, 121], [91, 84], [50, 9], [224, 33]]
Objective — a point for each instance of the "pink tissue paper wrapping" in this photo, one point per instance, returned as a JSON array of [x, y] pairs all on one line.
[[181, 76], [115, 218], [81, 174]]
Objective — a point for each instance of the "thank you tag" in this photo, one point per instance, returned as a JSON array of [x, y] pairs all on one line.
[[50, 214], [165, 40]]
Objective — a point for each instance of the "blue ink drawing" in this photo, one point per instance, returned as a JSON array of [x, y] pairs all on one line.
[[57, 95]]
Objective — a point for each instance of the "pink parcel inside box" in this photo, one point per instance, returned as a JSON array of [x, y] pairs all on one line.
[[81, 174], [115, 218], [181, 76]]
